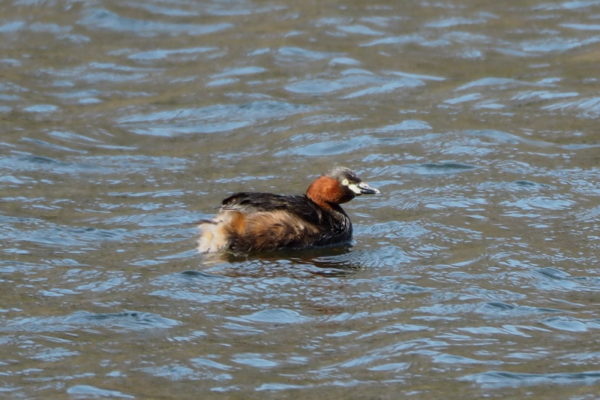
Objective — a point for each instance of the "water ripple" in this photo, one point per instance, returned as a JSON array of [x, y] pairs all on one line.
[[211, 119], [500, 379], [104, 19], [120, 322], [88, 391]]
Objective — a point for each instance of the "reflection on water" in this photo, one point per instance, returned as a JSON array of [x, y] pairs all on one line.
[[329, 260], [474, 274]]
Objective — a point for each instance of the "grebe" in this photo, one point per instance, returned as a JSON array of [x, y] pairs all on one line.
[[250, 222]]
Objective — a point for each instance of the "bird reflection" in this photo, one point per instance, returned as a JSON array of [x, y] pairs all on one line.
[[325, 261]]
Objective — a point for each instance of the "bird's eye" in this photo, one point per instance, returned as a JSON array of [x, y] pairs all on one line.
[[345, 182]]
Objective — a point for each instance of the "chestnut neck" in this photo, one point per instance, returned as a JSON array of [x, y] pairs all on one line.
[[328, 193]]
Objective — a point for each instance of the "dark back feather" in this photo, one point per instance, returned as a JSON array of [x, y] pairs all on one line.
[[248, 202]]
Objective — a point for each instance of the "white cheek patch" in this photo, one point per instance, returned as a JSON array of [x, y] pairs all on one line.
[[355, 188]]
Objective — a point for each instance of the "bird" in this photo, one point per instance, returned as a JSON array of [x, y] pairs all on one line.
[[254, 222]]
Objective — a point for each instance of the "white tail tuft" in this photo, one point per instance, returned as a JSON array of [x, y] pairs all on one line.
[[213, 237]]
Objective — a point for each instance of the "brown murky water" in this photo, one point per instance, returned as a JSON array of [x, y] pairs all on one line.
[[474, 274]]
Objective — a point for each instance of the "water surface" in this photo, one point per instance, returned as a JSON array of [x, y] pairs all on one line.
[[474, 274]]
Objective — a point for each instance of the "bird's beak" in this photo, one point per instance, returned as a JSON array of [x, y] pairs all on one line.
[[362, 188]]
